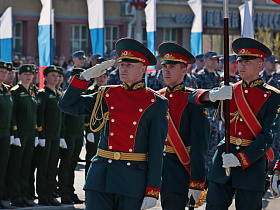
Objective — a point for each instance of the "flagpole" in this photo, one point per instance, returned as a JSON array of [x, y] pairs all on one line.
[[226, 77]]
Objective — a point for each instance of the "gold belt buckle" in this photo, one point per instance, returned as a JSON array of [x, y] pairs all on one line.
[[117, 155], [238, 141]]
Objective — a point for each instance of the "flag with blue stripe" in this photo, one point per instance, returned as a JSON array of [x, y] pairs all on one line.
[[45, 38], [197, 27], [96, 25], [151, 27], [6, 35]]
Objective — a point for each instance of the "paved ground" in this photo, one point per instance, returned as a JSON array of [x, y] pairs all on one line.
[[269, 203]]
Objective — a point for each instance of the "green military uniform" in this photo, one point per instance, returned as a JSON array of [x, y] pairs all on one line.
[[91, 148], [6, 105], [128, 163], [49, 119], [74, 137], [248, 145], [192, 124], [24, 125]]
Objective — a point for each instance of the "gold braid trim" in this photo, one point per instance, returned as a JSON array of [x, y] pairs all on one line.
[[97, 106]]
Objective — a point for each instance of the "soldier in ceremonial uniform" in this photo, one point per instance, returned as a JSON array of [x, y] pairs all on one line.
[[24, 126], [69, 153], [191, 125], [92, 138], [6, 105], [10, 75], [253, 109], [49, 118], [126, 172]]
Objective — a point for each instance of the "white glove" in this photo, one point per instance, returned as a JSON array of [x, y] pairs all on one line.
[[84, 141], [90, 137], [36, 142], [17, 142], [97, 70], [148, 202], [12, 138], [42, 142], [62, 144], [230, 160], [274, 186], [222, 93], [195, 194]]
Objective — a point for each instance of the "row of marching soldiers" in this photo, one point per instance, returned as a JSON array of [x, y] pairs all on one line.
[[35, 134]]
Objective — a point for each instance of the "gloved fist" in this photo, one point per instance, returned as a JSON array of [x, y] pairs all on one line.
[[97, 70], [222, 93], [275, 186], [148, 202], [195, 194], [12, 138], [62, 144], [90, 137], [42, 142], [230, 160], [17, 142], [36, 142]]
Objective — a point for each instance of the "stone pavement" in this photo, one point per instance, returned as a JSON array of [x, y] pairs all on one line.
[[269, 203]]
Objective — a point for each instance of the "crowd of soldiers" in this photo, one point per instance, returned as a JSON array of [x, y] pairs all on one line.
[[38, 135]]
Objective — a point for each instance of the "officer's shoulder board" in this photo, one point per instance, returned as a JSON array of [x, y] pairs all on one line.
[[6, 86], [156, 93], [267, 86], [41, 90], [189, 89], [15, 87]]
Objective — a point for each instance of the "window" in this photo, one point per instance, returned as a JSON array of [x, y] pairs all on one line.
[[169, 35], [111, 37], [79, 38], [17, 39]]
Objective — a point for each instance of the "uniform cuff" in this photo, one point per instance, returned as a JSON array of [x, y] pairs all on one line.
[[277, 165], [198, 96], [152, 192], [79, 83], [197, 185], [243, 159]]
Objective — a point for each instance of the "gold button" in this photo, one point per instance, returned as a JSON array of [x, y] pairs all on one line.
[[107, 94], [110, 147], [128, 164], [112, 134], [109, 161], [117, 155], [112, 120], [140, 110], [171, 95], [131, 136], [238, 141], [112, 107], [134, 123], [153, 100], [130, 150]]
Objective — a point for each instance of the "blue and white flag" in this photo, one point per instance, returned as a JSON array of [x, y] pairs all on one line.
[[247, 29], [96, 25], [197, 27], [151, 27], [6, 35], [45, 38]]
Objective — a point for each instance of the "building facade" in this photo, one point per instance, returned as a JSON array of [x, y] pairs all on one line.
[[174, 22]]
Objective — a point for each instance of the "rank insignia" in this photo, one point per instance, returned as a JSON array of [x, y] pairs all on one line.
[[205, 112], [167, 115], [39, 101]]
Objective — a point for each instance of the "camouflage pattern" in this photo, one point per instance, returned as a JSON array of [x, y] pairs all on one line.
[[154, 80], [114, 78], [189, 80], [207, 80]]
